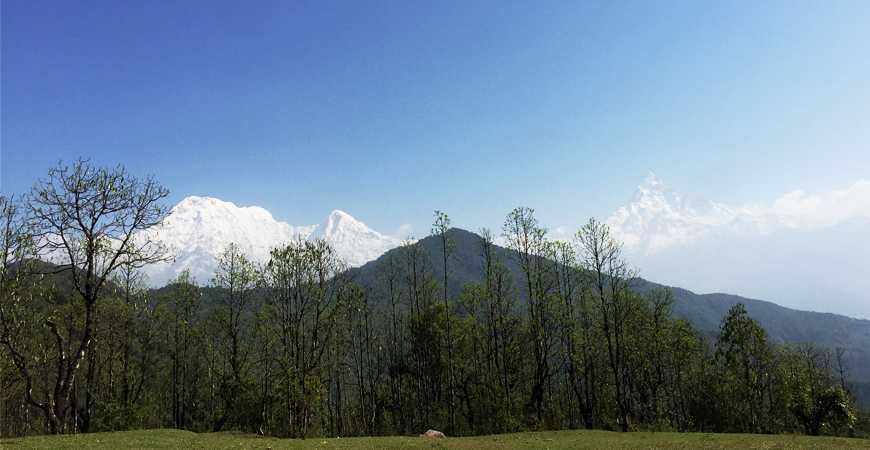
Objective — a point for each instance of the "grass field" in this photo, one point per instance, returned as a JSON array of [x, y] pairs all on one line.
[[559, 440]]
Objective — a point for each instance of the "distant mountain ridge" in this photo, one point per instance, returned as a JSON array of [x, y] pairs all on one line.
[[199, 229], [659, 217], [705, 311], [776, 253], [677, 239]]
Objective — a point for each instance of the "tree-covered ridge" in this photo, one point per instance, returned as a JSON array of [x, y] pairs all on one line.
[[541, 335], [705, 311]]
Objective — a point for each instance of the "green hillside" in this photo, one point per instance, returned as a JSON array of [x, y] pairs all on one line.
[[705, 311]]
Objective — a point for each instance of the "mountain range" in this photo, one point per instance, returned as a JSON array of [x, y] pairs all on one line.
[[776, 254], [677, 240], [674, 238], [658, 218], [199, 229]]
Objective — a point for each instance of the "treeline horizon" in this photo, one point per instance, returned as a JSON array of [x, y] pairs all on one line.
[[296, 347]]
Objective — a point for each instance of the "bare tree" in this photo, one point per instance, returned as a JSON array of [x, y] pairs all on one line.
[[88, 221]]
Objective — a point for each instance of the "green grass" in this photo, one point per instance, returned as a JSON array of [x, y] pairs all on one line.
[[557, 440]]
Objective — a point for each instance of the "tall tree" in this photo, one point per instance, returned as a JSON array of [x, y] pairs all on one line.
[[528, 241], [232, 325], [612, 286], [367, 347], [390, 288], [304, 282], [581, 339], [748, 358], [441, 229], [88, 220], [572, 296], [490, 345], [133, 292], [425, 331], [120, 358], [18, 285], [178, 308]]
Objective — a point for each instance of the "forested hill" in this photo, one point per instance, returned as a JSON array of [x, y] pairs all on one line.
[[833, 330], [705, 311]]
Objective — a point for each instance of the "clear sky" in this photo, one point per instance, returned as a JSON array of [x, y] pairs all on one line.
[[390, 110]]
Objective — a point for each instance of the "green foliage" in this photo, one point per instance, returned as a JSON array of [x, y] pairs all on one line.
[[86, 219], [748, 370], [229, 325], [305, 292], [812, 396], [113, 416], [182, 339], [551, 336]]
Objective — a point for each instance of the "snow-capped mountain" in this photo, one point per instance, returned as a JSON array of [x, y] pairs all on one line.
[[790, 255], [355, 243], [199, 229], [658, 218]]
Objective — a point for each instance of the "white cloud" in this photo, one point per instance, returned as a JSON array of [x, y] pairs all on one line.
[[403, 231], [563, 234], [798, 210]]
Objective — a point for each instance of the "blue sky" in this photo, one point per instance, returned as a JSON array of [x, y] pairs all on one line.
[[390, 110]]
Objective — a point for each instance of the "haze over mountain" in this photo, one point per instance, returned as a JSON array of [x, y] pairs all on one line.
[[808, 253], [199, 229]]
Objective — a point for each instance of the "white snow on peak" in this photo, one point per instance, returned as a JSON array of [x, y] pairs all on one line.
[[199, 229], [354, 242], [336, 222], [651, 182], [782, 251], [659, 217]]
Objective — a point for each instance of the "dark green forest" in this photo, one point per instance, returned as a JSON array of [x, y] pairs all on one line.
[[537, 336]]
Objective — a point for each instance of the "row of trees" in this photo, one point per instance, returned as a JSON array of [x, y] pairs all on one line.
[[552, 336]]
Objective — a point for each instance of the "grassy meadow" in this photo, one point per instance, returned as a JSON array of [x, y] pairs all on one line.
[[558, 440]]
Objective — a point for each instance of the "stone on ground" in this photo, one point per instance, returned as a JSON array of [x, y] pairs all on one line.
[[432, 434]]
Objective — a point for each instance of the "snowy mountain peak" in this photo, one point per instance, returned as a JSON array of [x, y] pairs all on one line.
[[339, 214], [199, 229], [194, 205], [213, 208], [354, 242], [779, 252], [651, 182], [653, 194], [338, 222], [340, 219], [659, 217]]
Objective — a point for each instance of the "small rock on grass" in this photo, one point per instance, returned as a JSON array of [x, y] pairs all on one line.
[[432, 434]]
